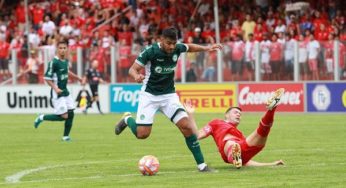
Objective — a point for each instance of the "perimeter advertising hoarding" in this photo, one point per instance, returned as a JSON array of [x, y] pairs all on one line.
[[205, 97], [252, 97], [124, 97], [209, 98], [36, 99], [326, 97]]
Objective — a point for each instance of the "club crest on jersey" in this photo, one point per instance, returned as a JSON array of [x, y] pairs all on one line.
[[175, 57]]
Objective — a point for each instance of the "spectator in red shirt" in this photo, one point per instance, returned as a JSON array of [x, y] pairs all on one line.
[[276, 54], [20, 15], [4, 56], [125, 60]]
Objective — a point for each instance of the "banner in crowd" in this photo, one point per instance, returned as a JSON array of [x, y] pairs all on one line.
[[253, 97], [37, 99], [215, 98], [124, 97], [326, 97]]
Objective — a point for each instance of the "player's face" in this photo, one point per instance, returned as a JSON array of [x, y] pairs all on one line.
[[95, 64], [168, 45], [62, 49], [234, 116]]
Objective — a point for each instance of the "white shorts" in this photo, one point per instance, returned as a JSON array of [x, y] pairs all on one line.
[[168, 104], [63, 104]]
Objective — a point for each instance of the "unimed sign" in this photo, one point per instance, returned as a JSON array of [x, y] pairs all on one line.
[[253, 97]]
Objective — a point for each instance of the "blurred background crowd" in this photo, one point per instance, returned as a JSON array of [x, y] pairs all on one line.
[[129, 25]]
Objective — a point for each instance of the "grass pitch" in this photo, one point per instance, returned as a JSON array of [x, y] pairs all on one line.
[[312, 146]]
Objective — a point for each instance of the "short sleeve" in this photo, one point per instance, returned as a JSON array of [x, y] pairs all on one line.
[[143, 57], [207, 129], [50, 70], [182, 47]]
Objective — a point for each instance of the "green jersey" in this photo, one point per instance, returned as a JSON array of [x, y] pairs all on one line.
[[58, 72], [159, 68]]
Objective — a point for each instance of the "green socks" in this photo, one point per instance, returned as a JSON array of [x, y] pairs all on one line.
[[53, 117], [68, 123], [194, 147], [131, 122]]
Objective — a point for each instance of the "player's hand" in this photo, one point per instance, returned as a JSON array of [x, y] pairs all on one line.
[[189, 107], [58, 91], [139, 78], [279, 162], [215, 47]]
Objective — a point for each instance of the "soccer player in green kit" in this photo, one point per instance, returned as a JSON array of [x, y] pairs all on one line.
[[158, 92], [56, 77]]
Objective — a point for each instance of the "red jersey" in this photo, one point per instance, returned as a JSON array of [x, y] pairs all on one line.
[[20, 14], [124, 59], [219, 129], [275, 51], [38, 14], [238, 48], [4, 49]]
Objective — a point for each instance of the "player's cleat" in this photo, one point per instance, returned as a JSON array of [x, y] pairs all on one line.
[[121, 125], [66, 138], [274, 100], [38, 121], [236, 155], [206, 169]]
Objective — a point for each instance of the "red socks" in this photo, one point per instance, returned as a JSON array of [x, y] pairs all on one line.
[[266, 123]]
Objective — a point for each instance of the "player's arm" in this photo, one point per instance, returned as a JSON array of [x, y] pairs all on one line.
[[48, 77], [200, 48], [53, 86], [134, 72], [255, 163], [73, 75]]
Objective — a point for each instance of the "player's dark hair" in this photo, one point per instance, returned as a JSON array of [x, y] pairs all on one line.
[[170, 33], [63, 41], [232, 107]]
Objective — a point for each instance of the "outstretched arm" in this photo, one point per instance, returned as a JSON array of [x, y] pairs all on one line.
[[200, 48], [201, 134], [73, 75], [254, 163]]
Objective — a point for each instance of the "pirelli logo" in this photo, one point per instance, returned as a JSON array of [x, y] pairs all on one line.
[[208, 97]]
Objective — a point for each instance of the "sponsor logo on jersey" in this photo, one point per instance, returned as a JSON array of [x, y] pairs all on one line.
[[161, 60], [164, 70]]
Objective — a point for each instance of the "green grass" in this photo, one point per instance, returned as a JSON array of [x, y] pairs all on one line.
[[312, 145]]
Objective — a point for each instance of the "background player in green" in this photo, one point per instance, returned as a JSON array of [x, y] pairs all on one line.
[[56, 77], [158, 91]]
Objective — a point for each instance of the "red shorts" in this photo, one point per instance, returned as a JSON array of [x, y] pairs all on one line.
[[313, 64], [247, 152]]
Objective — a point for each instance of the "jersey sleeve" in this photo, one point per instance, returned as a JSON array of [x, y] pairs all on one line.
[[143, 57], [208, 129], [50, 71], [182, 47]]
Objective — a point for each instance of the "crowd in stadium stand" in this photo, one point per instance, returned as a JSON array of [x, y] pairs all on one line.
[[85, 24]]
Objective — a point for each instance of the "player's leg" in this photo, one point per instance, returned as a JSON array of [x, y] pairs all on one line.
[[233, 153], [172, 108], [70, 115], [259, 137], [141, 127], [95, 93], [60, 112]]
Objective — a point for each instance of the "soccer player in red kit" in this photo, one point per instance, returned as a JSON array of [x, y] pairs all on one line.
[[233, 146]]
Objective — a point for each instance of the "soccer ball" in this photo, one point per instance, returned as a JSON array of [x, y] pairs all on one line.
[[148, 165]]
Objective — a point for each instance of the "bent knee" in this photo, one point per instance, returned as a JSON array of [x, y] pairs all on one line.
[[65, 116], [142, 136]]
